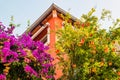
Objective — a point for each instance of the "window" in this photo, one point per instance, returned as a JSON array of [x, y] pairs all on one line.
[[46, 39]]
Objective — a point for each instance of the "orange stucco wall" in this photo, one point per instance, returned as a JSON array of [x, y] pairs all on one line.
[[55, 23]]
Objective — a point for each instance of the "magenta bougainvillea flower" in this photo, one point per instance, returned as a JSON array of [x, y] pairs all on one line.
[[2, 77], [9, 56], [22, 58], [10, 30], [30, 70]]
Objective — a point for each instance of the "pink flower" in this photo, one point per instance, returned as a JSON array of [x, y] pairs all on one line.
[[30, 70], [9, 56], [2, 77], [27, 60]]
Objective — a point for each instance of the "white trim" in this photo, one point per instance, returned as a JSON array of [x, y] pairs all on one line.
[[48, 35], [54, 13], [40, 30]]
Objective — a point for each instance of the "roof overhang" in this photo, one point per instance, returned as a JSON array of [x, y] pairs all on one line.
[[47, 12]]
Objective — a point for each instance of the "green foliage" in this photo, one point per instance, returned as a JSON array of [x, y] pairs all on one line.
[[12, 22], [90, 51]]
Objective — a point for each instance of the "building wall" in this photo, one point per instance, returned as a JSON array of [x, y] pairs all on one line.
[[55, 24]]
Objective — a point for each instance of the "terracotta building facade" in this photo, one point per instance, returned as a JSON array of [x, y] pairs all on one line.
[[45, 27]]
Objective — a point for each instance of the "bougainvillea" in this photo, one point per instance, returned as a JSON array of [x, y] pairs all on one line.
[[91, 52], [21, 58]]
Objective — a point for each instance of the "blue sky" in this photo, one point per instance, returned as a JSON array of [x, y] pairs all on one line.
[[24, 10]]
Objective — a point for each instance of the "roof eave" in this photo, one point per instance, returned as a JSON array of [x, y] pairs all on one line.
[[53, 6]]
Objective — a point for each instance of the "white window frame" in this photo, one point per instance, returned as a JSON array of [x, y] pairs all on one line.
[[48, 35]]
